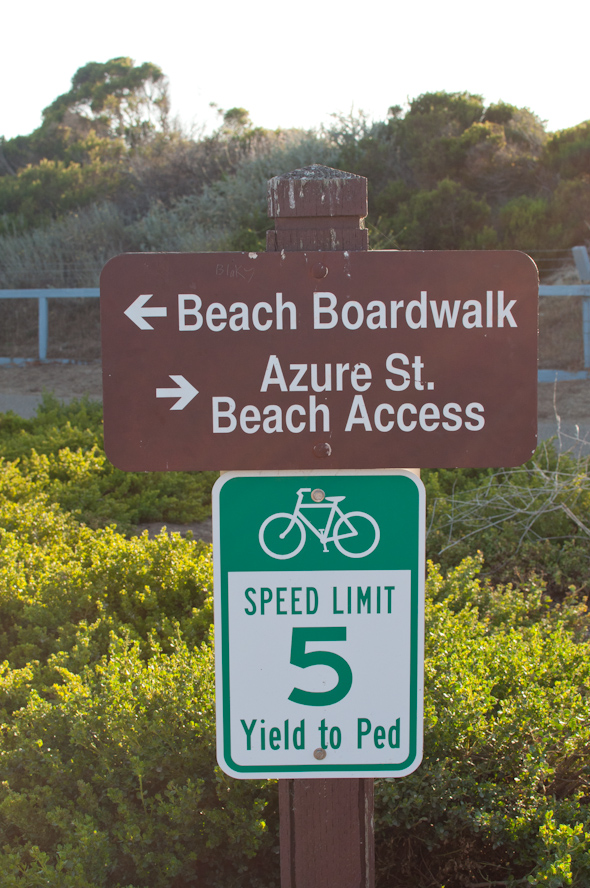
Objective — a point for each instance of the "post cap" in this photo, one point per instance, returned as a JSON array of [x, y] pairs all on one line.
[[317, 190]]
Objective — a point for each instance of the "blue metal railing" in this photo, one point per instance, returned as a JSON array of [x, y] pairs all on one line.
[[580, 255], [582, 290], [42, 296]]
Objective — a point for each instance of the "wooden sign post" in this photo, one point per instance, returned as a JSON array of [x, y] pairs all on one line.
[[326, 825]]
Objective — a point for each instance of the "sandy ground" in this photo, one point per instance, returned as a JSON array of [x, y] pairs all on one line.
[[22, 385]]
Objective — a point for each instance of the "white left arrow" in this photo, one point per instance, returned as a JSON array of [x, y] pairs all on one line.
[[185, 392], [138, 312]]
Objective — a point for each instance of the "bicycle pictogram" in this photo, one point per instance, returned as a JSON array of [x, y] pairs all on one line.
[[287, 531]]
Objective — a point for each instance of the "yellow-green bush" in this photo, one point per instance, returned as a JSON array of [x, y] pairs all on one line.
[[501, 795], [62, 451], [107, 744], [109, 778], [107, 765]]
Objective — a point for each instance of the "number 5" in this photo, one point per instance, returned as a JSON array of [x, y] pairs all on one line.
[[302, 658]]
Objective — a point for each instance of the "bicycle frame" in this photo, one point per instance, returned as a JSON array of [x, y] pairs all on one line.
[[322, 534]]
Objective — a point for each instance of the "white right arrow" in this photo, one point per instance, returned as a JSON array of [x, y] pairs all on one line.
[[185, 392], [137, 312]]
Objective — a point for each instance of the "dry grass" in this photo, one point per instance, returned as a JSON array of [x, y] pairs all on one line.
[[560, 317], [74, 329], [560, 333]]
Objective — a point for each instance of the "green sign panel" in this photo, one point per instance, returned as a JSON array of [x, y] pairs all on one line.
[[319, 609]]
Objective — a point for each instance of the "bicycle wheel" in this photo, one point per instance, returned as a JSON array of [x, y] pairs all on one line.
[[272, 540], [362, 539]]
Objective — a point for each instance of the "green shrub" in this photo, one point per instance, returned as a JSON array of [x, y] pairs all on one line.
[[107, 764], [447, 217], [109, 779], [501, 795], [107, 767], [37, 194], [64, 587], [568, 151]]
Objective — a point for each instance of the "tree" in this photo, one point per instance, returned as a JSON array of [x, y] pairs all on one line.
[[82, 151], [116, 98], [111, 102], [432, 119], [568, 151], [449, 217]]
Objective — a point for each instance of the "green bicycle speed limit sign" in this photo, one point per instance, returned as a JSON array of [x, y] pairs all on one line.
[[319, 611]]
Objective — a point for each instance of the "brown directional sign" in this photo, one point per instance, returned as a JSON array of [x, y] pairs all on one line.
[[319, 360]]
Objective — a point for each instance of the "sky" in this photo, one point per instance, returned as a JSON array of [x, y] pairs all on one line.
[[295, 65]]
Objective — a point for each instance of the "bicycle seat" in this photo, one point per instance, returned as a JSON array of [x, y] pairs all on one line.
[[335, 499]]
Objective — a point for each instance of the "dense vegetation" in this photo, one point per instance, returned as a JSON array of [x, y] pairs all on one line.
[[107, 171], [107, 765]]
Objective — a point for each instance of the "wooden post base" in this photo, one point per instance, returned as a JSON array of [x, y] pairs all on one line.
[[326, 829]]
